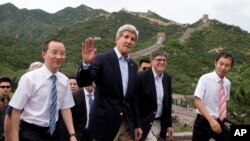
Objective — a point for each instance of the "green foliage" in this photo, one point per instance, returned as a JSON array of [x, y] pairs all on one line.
[[240, 99]]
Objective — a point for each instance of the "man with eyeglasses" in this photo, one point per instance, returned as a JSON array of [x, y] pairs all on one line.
[[155, 99], [5, 88]]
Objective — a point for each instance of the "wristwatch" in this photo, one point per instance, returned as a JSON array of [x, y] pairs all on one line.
[[72, 134]]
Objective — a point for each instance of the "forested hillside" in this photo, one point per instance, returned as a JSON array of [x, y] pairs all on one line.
[[23, 32]]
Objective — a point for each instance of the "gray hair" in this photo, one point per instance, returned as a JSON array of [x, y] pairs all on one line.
[[127, 27], [35, 65], [157, 53]]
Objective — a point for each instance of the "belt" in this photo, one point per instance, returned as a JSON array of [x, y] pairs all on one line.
[[34, 127]]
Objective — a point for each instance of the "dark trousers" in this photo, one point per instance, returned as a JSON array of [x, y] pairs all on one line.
[[83, 135], [31, 132], [203, 132], [63, 134]]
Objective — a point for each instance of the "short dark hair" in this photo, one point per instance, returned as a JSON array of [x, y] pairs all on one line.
[[158, 52], [225, 55], [72, 77], [5, 79], [143, 61], [45, 45]]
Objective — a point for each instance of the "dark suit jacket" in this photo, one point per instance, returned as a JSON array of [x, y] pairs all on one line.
[[147, 101], [110, 106], [79, 115]]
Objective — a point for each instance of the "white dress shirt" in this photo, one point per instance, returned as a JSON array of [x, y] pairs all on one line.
[[123, 63], [208, 89], [87, 104], [33, 96], [159, 93]]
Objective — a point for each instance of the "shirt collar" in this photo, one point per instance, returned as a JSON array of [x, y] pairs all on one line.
[[119, 55], [47, 72], [155, 75], [86, 92], [217, 78]]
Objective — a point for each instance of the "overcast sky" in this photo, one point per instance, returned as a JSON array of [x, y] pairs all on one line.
[[232, 12]]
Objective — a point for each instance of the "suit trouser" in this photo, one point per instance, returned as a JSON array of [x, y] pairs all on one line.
[[123, 133], [83, 135], [154, 132], [203, 132], [31, 132]]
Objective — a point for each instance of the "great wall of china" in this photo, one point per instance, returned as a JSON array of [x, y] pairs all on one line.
[[161, 37]]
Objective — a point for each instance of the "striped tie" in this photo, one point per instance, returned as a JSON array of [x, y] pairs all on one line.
[[52, 124], [222, 103]]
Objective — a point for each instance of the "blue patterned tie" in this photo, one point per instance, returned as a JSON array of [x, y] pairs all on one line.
[[52, 123], [90, 100]]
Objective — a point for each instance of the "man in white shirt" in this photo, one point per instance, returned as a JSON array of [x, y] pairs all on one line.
[[208, 123], [32, 100]]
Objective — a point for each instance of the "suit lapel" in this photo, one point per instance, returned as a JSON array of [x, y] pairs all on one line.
[[130, 76], [84, 101], [82, 97], [115, 66], [164, 84], [151, 82]]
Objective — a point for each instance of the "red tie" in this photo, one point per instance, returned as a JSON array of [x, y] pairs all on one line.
[[222, 103]]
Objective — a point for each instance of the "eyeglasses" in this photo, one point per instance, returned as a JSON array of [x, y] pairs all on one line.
[[5, 87], [145, 68], [159, 60]]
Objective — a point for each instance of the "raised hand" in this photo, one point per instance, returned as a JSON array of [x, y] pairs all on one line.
[[88, 51]]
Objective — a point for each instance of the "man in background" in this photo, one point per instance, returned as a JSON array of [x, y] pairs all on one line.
[[5, 89], [35, 65], [73, 84], [80, 112], [144, 64]]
